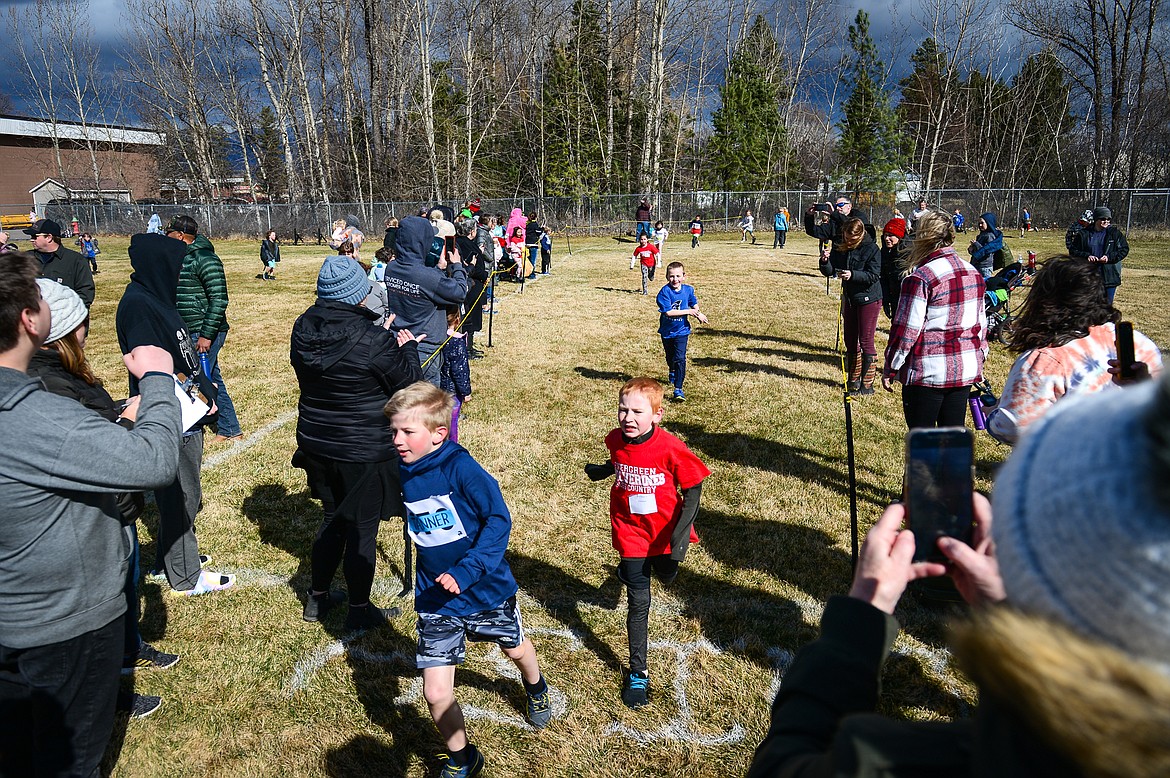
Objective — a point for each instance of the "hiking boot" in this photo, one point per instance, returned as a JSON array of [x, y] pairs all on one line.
[[474, 765], [369, 617], [148, 658], [317, 605], [539, 709], [636, 690]]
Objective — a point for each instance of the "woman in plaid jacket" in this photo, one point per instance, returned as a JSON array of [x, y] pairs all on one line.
[[938, 338]]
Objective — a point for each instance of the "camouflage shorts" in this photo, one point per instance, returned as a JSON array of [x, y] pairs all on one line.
[[442, 638]]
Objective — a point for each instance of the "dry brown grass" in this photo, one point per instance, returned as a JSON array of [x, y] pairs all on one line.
[[764, 411]]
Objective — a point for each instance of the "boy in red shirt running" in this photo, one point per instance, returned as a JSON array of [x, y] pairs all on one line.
[[647, 254], [652, 524]]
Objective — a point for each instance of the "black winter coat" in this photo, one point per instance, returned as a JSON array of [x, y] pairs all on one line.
[[1116, 248], [347, 368], [865, 266], [477, 274]]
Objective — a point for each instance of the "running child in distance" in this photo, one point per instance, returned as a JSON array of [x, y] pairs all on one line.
[[677, 302], [647, 254]]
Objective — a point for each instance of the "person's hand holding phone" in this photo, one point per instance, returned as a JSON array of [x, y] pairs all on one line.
[[974, 568], [885, 566]]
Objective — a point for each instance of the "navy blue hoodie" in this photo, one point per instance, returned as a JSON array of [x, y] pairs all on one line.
[[418, 294], [460, 525]]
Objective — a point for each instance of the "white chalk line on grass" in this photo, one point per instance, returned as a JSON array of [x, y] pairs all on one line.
[[682, 727], [240, 446], [412, 693]]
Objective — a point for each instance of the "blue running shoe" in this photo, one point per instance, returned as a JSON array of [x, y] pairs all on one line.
[[679, 396], [539, 709], [474, 765], [636, 690]]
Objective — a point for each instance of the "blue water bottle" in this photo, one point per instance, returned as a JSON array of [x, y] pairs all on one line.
[[205, 363]]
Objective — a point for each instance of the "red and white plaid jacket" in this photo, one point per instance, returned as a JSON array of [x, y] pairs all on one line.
[[939, 334]]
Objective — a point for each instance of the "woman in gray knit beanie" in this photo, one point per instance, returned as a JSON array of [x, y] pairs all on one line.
[[1070, 643]]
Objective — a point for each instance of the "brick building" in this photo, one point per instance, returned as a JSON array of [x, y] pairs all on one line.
[[27, 159]]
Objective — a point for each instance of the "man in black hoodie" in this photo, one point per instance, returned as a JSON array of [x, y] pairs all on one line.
[[147, 316], [418, 295]]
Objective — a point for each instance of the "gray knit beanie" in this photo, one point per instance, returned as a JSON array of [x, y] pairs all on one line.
[[1082, 522], [343, 280], [66, 310]]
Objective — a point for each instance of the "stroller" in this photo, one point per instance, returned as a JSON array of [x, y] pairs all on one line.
[[997, 299]]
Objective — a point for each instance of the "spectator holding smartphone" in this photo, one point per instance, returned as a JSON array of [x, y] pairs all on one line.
[[1071, 668]]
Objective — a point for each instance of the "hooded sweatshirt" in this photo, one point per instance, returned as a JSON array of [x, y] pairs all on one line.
[[347, 368], [460, 525], [417, 294], [516, 219], [147, 313], [990, 241], [63, 552]]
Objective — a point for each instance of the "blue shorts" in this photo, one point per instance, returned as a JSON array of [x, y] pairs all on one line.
[[442, 638]]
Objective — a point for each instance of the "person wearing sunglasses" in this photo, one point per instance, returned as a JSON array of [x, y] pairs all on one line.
[[65, 266], [1104, 246]]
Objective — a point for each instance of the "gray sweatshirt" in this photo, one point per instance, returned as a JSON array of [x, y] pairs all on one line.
[[63, 551]]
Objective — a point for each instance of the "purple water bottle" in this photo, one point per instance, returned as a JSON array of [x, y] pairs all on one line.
[[205, 364], [975, 400]]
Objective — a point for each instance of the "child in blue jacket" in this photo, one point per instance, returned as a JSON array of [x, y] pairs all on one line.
[[464, 589]]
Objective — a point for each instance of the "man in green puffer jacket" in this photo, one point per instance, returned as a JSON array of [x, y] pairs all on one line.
[[202, 302]]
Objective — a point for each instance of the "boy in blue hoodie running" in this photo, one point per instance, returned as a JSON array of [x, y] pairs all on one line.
[[464, 589]]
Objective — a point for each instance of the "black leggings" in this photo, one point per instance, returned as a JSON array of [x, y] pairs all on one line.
[[928, 406], [635, 572], [355, 496]]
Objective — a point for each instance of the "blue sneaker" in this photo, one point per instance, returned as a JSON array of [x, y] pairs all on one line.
[[679, 396], [474, 765], [539, 709], [636, 690]]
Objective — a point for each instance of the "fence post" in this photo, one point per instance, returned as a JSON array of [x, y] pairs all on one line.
[[1129, 215]]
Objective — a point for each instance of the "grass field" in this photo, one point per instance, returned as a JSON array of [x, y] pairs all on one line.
[[259, 692]]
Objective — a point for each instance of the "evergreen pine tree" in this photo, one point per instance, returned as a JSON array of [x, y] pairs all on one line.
[[871, 147], [749, 146]]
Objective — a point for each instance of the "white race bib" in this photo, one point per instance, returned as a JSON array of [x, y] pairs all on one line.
[[643, 504]]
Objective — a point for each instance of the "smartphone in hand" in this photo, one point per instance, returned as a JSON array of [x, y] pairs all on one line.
[[939, 484], [1125, 351]]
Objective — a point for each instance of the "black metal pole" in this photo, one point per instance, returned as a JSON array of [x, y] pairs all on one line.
[[852, 476], [492, 308]]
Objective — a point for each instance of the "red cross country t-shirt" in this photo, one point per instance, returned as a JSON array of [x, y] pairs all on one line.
[[647, 255], [644, 503]]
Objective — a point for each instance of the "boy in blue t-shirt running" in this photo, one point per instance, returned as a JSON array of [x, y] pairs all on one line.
[[677, 301]]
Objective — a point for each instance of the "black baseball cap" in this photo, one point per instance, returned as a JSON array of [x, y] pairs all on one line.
[[44, 227]]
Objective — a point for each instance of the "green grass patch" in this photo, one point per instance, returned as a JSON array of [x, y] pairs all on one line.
[[259, 692]]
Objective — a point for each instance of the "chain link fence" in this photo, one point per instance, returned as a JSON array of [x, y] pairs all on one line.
[[1140, 210]]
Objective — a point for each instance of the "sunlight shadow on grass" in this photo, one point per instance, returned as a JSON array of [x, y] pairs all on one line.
[[796, 356], [796, 344], [562, 596], [602, 375], [615, 289], [736, 366], [805, 464]]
